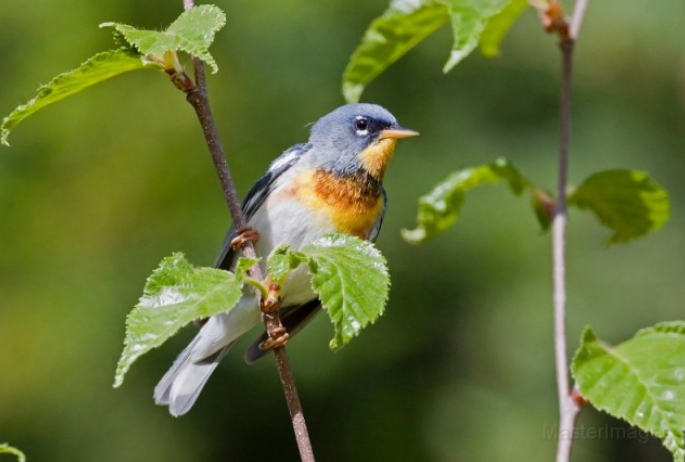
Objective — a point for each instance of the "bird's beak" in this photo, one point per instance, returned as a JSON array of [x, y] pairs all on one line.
[[397, 133]]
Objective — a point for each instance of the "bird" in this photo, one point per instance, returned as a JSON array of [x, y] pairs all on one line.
[[331, 183]]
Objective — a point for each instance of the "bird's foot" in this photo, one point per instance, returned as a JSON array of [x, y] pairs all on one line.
[[243, 236], [277, 338]]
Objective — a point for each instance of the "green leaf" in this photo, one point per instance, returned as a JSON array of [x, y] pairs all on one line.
[[7, 449], [175, 294], [406, 23], [627, 201], [469, 18], [282, 261], [351, 278], [244, 264], [100, 67], [403, 26], [192, 32], [641, 380], [498, 26], [439, 209]]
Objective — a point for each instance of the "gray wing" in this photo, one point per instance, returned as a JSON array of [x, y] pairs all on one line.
[[256, 197]]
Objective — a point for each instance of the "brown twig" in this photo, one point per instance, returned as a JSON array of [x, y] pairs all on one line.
[[196, 94]]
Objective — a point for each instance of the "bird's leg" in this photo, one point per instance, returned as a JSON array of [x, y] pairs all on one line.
[[243, 236], [277, 337]]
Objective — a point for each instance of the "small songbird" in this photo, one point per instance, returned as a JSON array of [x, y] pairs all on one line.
[[332, 183]]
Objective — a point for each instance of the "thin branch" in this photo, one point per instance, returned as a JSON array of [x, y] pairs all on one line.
[[567, 409], [197, 96], [570, 404], [559, 223], [577, 19]]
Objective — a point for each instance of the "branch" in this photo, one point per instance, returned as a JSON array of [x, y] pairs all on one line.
[[577, 19], [568, 407], [196, 94], [570, 403]]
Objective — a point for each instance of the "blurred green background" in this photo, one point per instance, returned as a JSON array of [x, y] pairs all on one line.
[[96, 190]]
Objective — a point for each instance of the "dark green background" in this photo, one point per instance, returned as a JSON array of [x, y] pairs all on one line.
[[96, 190]]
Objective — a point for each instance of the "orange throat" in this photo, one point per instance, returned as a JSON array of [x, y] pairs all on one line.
[[376, 157], [352, 204]]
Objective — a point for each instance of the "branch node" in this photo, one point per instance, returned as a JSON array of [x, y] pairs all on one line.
[[554, 21], [578, 399], [181, 81], [272, 301]]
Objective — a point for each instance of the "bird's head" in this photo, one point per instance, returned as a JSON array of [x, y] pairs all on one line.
[[356, 137]]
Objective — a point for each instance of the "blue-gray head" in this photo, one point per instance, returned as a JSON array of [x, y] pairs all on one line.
[[356, 137]]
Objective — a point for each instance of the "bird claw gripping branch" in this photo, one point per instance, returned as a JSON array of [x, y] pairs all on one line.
[[243, 236]]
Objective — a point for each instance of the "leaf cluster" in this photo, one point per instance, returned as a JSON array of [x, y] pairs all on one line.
[[628, 202], [349, 275], [192, 32]]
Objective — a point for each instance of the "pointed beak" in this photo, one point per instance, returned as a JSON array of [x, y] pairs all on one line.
[[397, 133]]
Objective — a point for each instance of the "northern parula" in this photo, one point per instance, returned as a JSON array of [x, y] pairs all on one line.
[[332, 183]]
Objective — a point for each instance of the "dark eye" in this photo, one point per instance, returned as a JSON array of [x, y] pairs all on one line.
[[361, 124]]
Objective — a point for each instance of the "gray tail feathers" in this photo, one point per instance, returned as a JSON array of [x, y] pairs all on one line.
[[182, 384]]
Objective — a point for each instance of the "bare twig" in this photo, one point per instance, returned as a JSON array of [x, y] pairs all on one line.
[[197, 96], [570, 403], [577, 19], [568, 409]]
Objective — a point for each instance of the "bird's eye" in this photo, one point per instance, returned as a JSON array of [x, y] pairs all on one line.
[[361, 124]]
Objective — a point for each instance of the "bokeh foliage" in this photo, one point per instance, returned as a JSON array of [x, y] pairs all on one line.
[[95, 191]]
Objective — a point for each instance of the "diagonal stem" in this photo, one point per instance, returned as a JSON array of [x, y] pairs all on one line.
[[197, 96]]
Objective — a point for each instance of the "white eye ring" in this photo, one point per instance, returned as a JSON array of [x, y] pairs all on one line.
[[361, 125]]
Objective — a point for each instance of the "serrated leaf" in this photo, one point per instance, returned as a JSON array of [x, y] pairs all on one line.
[[351, 278], [406, 23], [641, 380], [627, 201], [440, 208], [7, 449], [100, 67], [244, 264], [192, 32], [403, 26], [498, 26], [468, 19], [176, 293], [282, 261]]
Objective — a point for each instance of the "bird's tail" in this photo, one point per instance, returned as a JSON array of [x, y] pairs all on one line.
[[182, 384]]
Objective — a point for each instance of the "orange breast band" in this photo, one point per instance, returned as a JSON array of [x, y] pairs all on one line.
[[351, 203]]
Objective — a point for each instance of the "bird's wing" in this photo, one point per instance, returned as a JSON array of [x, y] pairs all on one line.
[[256, 197], [373, 234]]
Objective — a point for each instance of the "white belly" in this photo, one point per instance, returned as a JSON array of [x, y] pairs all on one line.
[[288, 223]]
